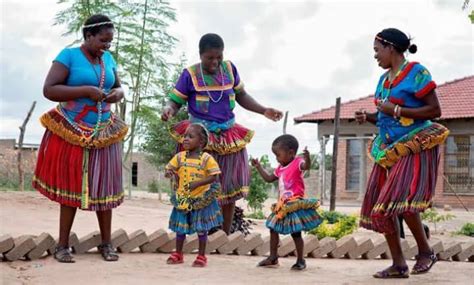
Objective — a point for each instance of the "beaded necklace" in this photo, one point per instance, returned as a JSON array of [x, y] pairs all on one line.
[[385, 96], [183, 197], [205, 85], [89, 134]]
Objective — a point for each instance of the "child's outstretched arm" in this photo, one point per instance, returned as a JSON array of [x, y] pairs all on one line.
[[265, 175], [306, 165], [208, 180]]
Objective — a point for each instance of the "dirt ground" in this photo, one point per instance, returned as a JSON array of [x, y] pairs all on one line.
[[30, 213]]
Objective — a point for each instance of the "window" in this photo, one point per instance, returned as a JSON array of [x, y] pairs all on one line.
[[459, 164], [135, 174], [354, 152]]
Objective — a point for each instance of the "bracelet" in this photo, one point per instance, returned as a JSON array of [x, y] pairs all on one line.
[[395, 112]]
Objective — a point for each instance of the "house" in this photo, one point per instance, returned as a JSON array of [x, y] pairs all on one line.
[[455, 185]]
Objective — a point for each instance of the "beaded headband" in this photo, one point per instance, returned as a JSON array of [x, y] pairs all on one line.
[[97, 24], [385, 41]]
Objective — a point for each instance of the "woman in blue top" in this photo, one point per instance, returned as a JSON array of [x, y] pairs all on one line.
[[80, 158], [405, 151]]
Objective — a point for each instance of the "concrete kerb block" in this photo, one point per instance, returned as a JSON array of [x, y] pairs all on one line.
[[6, 243], [450, 250], [119, 237], [191, 243], [88, 242], [155, 240], [343, 246], [234, 241], [311, 242], [467, 251], [216, 240], [23, 245], [170, 245], [380, 247], [73, 242], [436, 245], [326, 245], [412, 249], [136, 239], [287, 245], [364, 245], [42, 243], [262, 249], [251, 242]]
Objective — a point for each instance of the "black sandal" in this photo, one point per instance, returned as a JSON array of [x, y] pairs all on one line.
[[299, 265], [394, 271], [420, 268], [108, 252], [269, 262], [63, 254]]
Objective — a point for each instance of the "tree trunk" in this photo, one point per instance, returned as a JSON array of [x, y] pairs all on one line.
[[21, 178]]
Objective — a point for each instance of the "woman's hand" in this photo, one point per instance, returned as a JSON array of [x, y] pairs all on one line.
[[94, 93], [386, 107], [114, 96], [168, 113], [360, 116], [273, 114]]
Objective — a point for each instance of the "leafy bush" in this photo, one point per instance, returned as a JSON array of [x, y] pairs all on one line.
[[162, 186], [467, 230], [258, 191], [335, 224], [431, 215], [258, 215]]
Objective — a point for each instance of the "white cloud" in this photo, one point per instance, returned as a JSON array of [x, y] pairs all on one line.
[[296, 56]]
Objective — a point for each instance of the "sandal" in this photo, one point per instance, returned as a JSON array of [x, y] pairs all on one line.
[[63, 254], [200, 261], [108, 252], [269, 262], [299, 265], [394, 271], [421, 267], [175, 258]]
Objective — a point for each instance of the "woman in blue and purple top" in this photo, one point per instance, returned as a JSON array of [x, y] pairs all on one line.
[[405, 151], [210, 89]]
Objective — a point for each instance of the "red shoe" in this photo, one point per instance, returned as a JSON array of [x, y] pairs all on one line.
[[200, 261], [175, 258]]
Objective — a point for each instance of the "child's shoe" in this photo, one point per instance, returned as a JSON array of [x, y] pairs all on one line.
[[200, 261], [299, 265], [175, 258]]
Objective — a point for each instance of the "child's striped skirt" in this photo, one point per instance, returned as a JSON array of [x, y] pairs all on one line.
[[294, 216]]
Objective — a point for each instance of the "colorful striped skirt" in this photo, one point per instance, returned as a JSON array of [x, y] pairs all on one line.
[[406, 188], [294, 216], [228, 149], [75, 176], [196, 221]]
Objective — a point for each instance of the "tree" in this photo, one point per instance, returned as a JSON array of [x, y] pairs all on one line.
[[258, 191]]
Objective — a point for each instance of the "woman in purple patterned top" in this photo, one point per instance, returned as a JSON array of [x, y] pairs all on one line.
[[210, 89]]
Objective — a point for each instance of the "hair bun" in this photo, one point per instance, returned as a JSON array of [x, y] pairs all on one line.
[[412, 48]]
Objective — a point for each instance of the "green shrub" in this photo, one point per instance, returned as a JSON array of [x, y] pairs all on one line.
[[162, 186], [258, 190], [258, 215], [431, 215], [467, 230], [335, 224]]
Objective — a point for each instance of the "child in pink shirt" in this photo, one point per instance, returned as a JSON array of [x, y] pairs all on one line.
[[292, 213]]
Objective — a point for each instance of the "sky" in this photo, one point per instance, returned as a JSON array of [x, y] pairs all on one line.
[[296, 56]]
